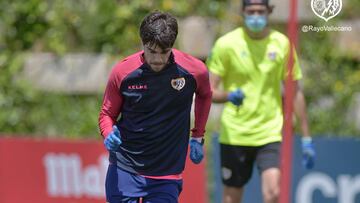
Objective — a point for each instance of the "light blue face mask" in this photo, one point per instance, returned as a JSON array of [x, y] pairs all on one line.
[[255, 23]]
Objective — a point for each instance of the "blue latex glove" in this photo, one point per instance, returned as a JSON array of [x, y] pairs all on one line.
[[196, 150], [236, 97], [308, 152], [113, 140]]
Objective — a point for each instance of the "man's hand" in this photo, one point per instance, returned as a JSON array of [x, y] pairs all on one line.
[[113, 140], [196, 150], [308, 152], [236, 97]]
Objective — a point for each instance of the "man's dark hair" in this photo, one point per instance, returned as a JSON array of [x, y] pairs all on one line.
[[159, 29], [255, 2]]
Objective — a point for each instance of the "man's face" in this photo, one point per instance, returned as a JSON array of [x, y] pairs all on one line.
[[156, 57], [256, 18]]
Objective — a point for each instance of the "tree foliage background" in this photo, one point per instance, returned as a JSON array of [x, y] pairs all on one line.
[[61, 26], [111, 26]]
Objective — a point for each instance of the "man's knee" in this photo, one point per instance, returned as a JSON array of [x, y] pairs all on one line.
[[271, 195], [232, 194], [270, 185]]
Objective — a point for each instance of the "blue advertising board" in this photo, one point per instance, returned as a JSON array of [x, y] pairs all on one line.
[[334, 179]]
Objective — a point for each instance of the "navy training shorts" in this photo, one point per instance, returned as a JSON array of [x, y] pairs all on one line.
[[125, 187]]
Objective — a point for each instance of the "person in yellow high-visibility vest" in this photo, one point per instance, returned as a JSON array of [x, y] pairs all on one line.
[[251, 62]]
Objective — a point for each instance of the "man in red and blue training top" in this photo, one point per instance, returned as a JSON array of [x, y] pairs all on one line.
[[152, 91]]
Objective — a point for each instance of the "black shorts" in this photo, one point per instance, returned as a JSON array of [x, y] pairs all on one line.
[[237, 161]]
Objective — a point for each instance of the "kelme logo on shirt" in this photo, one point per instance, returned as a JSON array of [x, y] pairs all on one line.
[[178, 83], [137, 87]]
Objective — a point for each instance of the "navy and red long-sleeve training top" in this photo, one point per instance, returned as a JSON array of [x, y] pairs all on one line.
[[154, 109]]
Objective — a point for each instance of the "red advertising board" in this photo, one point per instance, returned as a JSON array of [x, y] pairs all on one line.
[[67, 171]]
